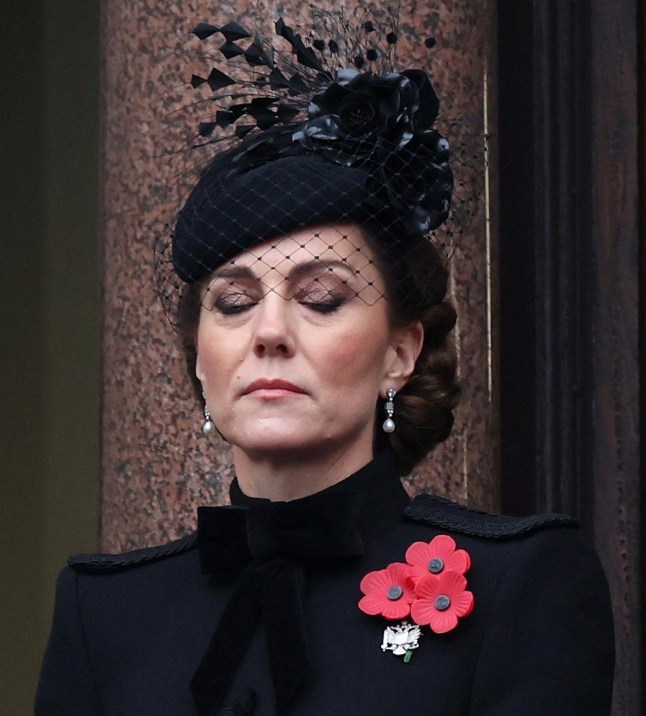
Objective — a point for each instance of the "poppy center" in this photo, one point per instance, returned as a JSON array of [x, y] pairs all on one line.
[[394, 592], [436, 565], [442, 603]]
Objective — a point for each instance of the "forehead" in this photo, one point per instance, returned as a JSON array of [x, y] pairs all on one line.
[[342, 244]]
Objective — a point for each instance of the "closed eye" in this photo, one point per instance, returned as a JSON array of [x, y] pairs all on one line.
[[231, 302], [328, 305], [323, 294]]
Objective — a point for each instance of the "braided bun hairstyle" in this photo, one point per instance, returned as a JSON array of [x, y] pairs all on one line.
[[416, 279]]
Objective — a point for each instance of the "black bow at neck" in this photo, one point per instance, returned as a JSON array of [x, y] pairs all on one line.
[[266, 545]]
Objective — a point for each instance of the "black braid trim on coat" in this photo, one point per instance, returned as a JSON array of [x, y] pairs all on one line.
[[102, 563], [450, 516]]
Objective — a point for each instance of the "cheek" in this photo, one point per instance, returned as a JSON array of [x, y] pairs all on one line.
[[219, 371], [215, 366], [354, 355]]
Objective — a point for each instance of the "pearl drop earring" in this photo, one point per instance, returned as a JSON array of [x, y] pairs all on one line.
[[389, 422], [208, 426]]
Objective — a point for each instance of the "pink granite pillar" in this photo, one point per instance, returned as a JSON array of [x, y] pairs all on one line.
[[157, 465]]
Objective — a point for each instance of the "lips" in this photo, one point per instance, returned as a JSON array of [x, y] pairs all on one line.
[[272, 387]]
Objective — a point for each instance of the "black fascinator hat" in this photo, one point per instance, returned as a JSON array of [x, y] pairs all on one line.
[[303, 141]]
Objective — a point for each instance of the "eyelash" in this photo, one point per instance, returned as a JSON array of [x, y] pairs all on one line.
[[330, 306], [230, 303]]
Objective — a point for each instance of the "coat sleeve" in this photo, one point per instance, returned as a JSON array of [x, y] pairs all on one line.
[[66, 685], [549, 644]]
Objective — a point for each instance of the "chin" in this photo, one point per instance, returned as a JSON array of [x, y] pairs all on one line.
[[275, 436]]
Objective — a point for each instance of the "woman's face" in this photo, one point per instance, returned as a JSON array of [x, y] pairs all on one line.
[[295, 345]]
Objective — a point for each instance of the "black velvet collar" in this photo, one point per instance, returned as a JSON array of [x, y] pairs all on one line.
[[267, 545], [381, 494]]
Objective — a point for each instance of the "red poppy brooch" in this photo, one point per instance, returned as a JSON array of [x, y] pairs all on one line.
[[430, 589]]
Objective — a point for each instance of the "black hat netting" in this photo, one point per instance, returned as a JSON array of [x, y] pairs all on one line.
[[324, 176]]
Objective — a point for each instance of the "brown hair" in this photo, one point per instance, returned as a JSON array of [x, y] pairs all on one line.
[[416, 280]]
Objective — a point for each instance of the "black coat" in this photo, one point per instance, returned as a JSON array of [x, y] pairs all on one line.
[[130, 631]]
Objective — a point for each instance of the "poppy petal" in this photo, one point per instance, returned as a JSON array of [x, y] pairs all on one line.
[[371, 604], [459, 561], [417, 554], [428, 587], [374, 581], [422, 611], [442, 546], [395, 610], [462, 603], [452, 582], [443, 621], [398, 571]]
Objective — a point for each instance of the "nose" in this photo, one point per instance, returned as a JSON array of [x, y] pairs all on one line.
[[273, 335]]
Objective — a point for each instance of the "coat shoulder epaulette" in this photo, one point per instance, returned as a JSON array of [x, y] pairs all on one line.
[[447, 515], [102, 563]]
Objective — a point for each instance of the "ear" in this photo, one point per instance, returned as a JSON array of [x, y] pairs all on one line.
[[406, 345], [199, 373]]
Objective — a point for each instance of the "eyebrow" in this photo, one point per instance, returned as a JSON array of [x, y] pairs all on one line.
[[317, 264], [233, 271]]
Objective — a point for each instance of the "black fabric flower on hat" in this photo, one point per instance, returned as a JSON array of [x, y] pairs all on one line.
[[416, 182], [378, 110], [383, 123]]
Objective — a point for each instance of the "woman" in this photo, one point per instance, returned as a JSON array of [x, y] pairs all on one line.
[[313, 315]]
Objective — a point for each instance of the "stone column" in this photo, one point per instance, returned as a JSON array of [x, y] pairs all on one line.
[[156, 464]]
